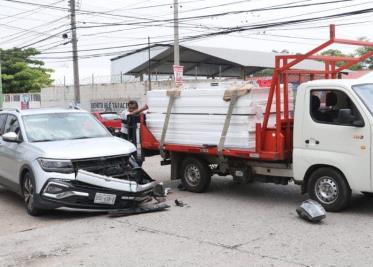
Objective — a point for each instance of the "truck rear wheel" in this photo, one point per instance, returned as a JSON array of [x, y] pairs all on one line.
[[329, 188], [196, 174]]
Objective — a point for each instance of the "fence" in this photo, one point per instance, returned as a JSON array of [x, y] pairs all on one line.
[[32, 100], [94, 79]]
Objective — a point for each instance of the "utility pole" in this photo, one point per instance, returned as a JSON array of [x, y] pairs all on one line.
[[74, 43], [149, 74], [176, 33]]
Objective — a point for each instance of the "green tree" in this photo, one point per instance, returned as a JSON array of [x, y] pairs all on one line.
[[363, 50], [338, 53], [21, 73]]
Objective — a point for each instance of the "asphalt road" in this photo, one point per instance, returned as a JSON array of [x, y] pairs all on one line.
[[230, 225]]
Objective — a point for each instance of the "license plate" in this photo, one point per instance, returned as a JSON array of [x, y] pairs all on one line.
[[101, 198]]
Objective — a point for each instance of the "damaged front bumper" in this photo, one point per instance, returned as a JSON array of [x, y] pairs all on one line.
[[94, 191]]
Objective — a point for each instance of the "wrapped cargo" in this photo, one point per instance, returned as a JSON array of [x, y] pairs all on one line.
[[198, 116]]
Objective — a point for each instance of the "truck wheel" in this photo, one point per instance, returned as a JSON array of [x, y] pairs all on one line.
[[196, 175], [329, 188], [28, 191]]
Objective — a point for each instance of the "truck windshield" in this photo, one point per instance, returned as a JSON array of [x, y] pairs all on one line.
[[62, 126], [365, 92]]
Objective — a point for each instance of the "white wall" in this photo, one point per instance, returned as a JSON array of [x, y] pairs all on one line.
[[63, 96]]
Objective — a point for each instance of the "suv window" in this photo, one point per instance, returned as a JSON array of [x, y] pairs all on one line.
[[12, 125], [325, 107], [2, 122]]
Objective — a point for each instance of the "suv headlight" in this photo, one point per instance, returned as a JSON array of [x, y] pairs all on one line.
[[56, 165]]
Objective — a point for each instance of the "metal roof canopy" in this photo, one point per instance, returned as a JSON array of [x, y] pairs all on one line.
[[202, 61]]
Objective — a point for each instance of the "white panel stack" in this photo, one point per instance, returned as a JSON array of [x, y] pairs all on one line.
[[198, 115]]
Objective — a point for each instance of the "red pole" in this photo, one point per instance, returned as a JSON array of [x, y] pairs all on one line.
[[278, 109]]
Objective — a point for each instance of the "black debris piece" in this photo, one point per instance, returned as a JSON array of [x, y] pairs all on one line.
[[179, 203], [311, 211], [139, 209]]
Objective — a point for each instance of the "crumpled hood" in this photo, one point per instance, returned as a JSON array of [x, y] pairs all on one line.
[[85, 148]]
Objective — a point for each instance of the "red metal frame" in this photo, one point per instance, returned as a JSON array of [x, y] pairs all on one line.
[[274, 144], [282, 149]]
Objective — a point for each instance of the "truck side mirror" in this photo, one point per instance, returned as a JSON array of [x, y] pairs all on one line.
[[345, 116], [358, 123]]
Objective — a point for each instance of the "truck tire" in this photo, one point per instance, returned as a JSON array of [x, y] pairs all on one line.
[[330, 188], [29, 195], [195, 174]]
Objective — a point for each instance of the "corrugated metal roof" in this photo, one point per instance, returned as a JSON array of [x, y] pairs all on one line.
[[210, 61]]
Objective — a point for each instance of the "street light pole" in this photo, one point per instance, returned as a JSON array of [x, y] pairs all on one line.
[[74, 43]]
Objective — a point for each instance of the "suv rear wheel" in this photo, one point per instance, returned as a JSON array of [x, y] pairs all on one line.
[[28, 191]]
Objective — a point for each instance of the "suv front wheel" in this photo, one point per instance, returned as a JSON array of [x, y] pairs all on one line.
[[28, 191]]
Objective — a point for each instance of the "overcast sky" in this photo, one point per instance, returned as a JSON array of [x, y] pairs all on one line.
[[113, 27]]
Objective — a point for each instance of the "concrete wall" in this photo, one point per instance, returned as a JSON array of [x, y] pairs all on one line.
[[63, 96]]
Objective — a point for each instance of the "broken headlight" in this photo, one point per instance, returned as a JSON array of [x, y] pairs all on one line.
[[56, 165]]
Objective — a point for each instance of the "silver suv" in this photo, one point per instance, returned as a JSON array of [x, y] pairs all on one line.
[[66, 158]]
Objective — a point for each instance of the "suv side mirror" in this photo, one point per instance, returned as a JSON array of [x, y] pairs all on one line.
[[11, 137]]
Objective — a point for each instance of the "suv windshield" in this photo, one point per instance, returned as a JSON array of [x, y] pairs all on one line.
[[365, 92], [62, 126]]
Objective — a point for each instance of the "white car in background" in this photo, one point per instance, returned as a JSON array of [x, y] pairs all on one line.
[[65, 158]]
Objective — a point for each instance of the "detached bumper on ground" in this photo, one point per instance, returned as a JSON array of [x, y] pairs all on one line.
[[95, 191]]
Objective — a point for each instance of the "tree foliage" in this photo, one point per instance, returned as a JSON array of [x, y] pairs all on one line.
[[21, 73], [363, 50], [338, 53], [368, 63]]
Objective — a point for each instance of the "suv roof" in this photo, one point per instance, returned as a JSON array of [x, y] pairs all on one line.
[[39, 111]]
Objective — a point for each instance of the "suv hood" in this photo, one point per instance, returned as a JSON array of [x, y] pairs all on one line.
[[85, 148]]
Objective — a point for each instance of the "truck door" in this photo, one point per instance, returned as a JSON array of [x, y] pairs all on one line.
[[330, 138]]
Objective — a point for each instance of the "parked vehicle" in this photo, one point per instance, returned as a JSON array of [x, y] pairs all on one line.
[[111, 120], [65, 158], [325, 146]]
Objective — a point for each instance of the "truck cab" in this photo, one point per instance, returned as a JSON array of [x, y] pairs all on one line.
[[332, 140]]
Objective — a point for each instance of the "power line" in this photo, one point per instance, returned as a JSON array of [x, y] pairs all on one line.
[[28, 11], [238, 29], [24, 32]]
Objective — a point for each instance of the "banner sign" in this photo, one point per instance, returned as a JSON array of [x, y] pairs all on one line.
[[178, 74], [115, 105]]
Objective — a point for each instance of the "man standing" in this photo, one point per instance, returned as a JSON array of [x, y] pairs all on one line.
[[133, 109]]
